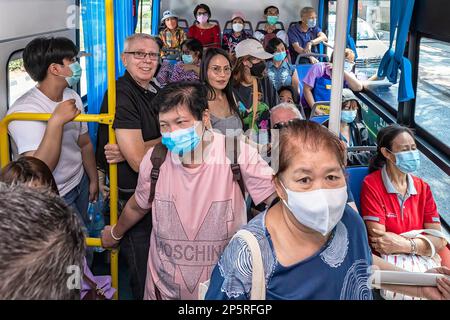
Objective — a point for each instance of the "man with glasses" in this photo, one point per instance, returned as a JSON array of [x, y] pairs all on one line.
[[137, 130]]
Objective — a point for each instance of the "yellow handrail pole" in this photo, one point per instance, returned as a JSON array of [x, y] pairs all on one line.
[[4, 142], [110, 60]]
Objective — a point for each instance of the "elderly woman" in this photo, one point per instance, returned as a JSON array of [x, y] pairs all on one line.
[[394, 201], [313, 245]]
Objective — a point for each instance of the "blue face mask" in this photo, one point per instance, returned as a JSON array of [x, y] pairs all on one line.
[[181, 141], [348, 116], [407, 161], [76, 74], [272, 20], [312, 23], [279, 56], [187, 58]]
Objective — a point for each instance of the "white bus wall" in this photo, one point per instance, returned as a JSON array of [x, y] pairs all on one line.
[[252, 9], [23, 20]]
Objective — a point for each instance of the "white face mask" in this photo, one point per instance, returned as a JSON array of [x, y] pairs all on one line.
[[319, 210], [237, 27]]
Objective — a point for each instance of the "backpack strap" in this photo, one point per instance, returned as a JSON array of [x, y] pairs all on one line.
[[157, 158], [235, 168]]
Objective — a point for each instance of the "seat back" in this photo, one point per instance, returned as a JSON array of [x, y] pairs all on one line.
[[356, 177], [320, 119], [228, 28], [302, 70]]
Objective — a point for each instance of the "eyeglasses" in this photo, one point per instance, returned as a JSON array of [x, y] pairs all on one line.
[[142, 55], [218, 70], [284, 124]]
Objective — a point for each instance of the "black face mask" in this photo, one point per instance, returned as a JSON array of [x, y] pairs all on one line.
[[257, 69]]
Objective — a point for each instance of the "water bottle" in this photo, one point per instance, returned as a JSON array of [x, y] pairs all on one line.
[[96, 221]]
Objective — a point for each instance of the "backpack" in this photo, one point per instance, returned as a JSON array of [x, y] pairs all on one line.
[[159, 155]]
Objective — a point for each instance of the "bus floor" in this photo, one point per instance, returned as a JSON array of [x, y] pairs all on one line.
[[101, 266]]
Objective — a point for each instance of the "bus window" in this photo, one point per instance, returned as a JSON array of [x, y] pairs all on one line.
[[144, 24], [439, 183], [433, 99], [19, 81]]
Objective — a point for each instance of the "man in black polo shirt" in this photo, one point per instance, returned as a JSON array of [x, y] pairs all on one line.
[[137, 130]]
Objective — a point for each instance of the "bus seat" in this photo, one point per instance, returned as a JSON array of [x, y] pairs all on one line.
[[228, 29], [302, 70], [260, 25], [320, 119], [292, 23], [356, 176]]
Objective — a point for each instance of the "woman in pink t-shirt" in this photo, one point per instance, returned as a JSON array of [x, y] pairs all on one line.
[[197, 205]]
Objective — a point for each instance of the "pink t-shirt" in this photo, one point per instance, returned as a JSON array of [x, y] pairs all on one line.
[[195, 213]]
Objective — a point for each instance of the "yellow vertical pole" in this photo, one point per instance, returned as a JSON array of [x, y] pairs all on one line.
[[110, 58]]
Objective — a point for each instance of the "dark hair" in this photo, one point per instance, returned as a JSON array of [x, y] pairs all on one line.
[[42, 245], [238, 71], [291, 90], [299, 134], [40, 53], [209, 54], [190, 93], [272, 45], [270, 7], [385, 138], [27, 169], [193, 45], [204, 7]]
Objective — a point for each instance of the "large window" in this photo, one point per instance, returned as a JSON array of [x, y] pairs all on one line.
[[19, 81], [372, 42], [433, 89], [439, 183], [144, 24]]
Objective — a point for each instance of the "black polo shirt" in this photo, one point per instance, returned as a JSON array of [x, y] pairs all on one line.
[[134, 110]]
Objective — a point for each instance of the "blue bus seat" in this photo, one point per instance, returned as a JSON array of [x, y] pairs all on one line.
[[320, 119], [356, 177], [302, 70]]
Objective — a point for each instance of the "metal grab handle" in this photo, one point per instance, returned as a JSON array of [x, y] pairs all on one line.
[[312, 54]]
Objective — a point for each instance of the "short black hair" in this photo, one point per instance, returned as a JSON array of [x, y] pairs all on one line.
[[291, 90], [193, 45], [193, 94], [270, 7], [272, 45], [41, 52], [204, 7]]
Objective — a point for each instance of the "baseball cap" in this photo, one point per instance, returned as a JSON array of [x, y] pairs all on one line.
[[237, 14], [252, 47], [348, 95], [168, 14]]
